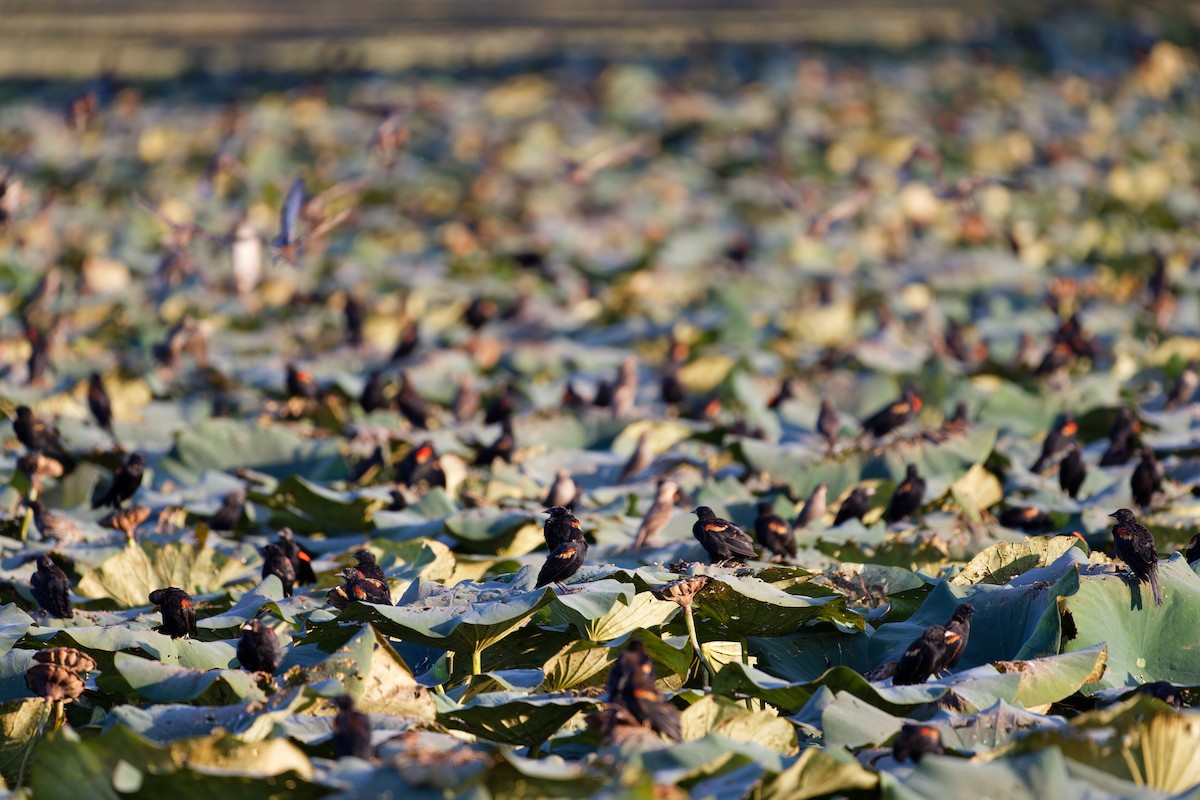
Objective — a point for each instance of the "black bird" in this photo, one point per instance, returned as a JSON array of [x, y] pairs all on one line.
[[959, 627], [420, 465], [374, 392], [561, 526], [410, 339], [1134, 545], [178, 611], [722, 540], [230, 513], [1193, 549], [908, 496], [893, 415], [366, 590], [51, 588], [503, 448], [480, 312], [1146, 479], [300, 383], [1025, 518], [671, 388], [829, 424], [563, 562], [100, 404], [502, 407], [1072, 471], [1057, 441], [38, 435], [125, 483], [774, 534], [855, 506], [814, 507], [631, 687], [924, 657], [1120, 449], [915, 741], [411, 405], [351, 730], [258, 649], [355, 315], [787, 391], [276, 561], [301, 561], [368, 566]]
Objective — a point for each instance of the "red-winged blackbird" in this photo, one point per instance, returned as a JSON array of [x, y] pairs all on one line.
[[958, 631], [774, 535], [411, 405], [503, 448], [1146, 479], [563, 562], [276, 562], [1184, 388], [51, 588], [892, 416], [603, 398], [368, 566], [1025, 518], [641, 458], [410, 340], [915, 741], [374, 392], [924, 657], [814, 507], [300, 383], [704, 409], [660, 512], [562, 491], [1123, 424], [301, 561], [561, 526], [670, 387], [1134, 545], [1072, 471], [1057, 441], [631, 686], [351, 730], [100, 404], [1193, 549], [54, 527], [38, 435], [787, 391], [480, 312], [420, 465], [1072, 334], [908, 496], [125, 483], [355, 316], [829, 424], [502, 407], [178, 611], [1166, 691], [365, 590], [258, 649], [1119, 451], [230, 513], [722, 540], [855, 506]]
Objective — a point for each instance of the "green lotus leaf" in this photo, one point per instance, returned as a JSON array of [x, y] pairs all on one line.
[[129, 576], [165, 683], [731, 607], [720, 715], [228, 444], [514, 718], [605, 610], [1001, 562], [307, 507], [820, 772]]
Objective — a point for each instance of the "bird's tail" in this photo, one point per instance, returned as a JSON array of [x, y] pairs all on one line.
[[1155, 588]]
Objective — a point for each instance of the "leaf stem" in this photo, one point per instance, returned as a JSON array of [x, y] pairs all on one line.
[[476, 661], [709, 674], [37, 735]]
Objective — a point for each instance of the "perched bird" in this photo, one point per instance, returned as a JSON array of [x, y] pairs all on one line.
[[660, 513], [1124, 424], [915, 741], [1184, 388], [631, 687], [1193, 549], [957, 422], [1072, 471], [52, 526], [100, 404], [924, 657], [641, 458], [363, 589], [1166, 691], [562, 491], [855, 506], [774, 534], [958, 631], [480, 312], [503, 406], [563, 562], [51, 588], [1025, 518], [351, 730], [276, 561], [125, 483], [411, 405], [829, 424], [178, 611], [258, 649], [1120, 449], [671, 388], [374, 392], [814, 507], [723, 541], [420, 465], [301, 384], [367, 565], [787, 391], [561, 526], [1058, 440], [893, 415], [908, 496], [625, 388], [1146, 479], [1134, 545], [355, 315], [38, 435], [230, 513], [503, 448], [467, 401], [301, 561], [409, 341]]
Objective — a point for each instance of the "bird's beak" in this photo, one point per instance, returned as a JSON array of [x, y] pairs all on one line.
[[1113, 515]]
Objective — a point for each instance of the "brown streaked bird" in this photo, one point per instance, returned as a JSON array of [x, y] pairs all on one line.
[[562, 491], [358, 587], [774, 534], [466, 402], [100, 404], [814, 508], [1184, 388], [722, 540], [641, 458], [893, 415], [1134, 545], [660, 513], [51, 588], [54, 527], [625, 389], [829, 424], [351, 730]]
